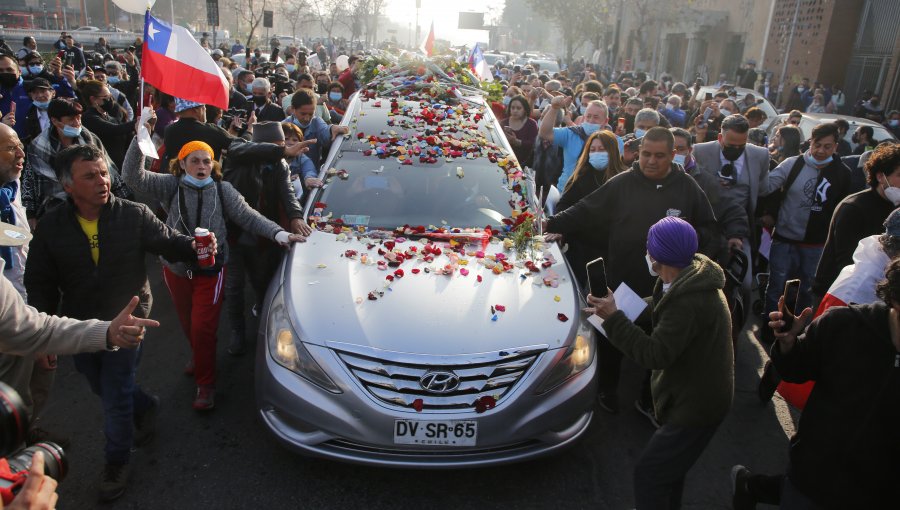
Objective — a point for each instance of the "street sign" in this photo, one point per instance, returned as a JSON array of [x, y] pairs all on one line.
[[212, 13], [267, 19]]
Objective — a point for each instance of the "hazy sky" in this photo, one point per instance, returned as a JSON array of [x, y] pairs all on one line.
[[445, 15]]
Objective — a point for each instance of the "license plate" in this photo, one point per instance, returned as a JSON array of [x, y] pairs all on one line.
[[437, 433]]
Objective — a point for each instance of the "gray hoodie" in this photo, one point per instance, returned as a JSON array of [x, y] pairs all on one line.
[[213, 214]]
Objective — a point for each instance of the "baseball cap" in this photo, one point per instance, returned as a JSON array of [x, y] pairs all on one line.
[[38, 83], [183, 104]]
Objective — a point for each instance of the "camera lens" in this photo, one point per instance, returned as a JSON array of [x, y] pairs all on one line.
[[56, 465], [13, 420]]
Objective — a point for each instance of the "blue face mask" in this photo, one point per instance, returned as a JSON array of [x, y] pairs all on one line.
[[506, 100], [112, 80], [681, 159], [290, 67], [639, 133], [41, 105], [295, 121], [335, 96], [197, 183], [248, 88], [71, 132], [811, 161], [35, 70], [583, 110], [589, 128], [599, 160], [894, 122]]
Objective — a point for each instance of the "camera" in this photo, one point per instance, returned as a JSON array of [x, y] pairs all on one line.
[[229, 115], [15, 464]]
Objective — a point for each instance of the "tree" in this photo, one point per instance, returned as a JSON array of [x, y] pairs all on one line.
[[577, 20], [251, 13], [295, 13], [328, 12], [355, 15]]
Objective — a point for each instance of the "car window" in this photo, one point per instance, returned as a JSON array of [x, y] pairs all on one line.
[[381, 193]]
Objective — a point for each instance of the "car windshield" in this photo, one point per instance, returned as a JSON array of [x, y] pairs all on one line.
[[454, 178]]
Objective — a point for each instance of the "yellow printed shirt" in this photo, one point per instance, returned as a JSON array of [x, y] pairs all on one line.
[[90, 230]]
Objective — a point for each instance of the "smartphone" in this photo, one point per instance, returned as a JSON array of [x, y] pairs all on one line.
[[622, 121], [61, 54], [709, 96], [274, 57], [70, 57], [789, 310], [706, 115], [596, 273]]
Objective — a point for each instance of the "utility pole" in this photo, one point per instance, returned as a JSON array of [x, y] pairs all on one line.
[[615, 56], [787, 53], [418, 5]]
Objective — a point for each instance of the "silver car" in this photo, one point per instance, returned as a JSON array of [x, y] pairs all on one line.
[[461, 354]]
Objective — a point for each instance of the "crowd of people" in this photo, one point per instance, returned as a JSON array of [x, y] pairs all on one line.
[[667, 186]]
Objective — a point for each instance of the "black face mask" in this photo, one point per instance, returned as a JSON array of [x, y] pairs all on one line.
[[322, 88], [108, 104], [260, 100], [732, 153], [8, 80]]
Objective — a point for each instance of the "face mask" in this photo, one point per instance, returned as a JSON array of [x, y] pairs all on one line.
[[811, 161], [112, 80], [732, 153], [589, 128], [801, 89], [599, 160], [670, 107], [892, 193], [8, 80], [894, 122], [248, 88], [108, 104], [297, 122], [583, 110], [71, 132], [197, 183], [506, 100], [639, 133], [41, 105], [290, 67], [35, 70], [650, 265], [725, 111], [259, 100], [578, 102], [335, 96], [681, 159]]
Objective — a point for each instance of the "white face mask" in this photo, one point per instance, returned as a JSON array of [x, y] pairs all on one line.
[[892, 193], [650, 265]]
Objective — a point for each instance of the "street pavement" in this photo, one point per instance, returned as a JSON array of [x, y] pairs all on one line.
[[225, 459]]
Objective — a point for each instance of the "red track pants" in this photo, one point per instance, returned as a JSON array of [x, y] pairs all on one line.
[[198, 301]]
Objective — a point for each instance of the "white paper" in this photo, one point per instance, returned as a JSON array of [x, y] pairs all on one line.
[[553, 197], [628, 301], [143, 136], [765, 244]]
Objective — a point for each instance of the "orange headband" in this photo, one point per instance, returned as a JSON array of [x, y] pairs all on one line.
[[196, 145]]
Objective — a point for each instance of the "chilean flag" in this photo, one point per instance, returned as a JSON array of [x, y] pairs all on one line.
[[855, 285], [175, 63], [479, 66]]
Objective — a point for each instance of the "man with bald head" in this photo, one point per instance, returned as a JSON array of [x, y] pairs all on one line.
[[31, 376]]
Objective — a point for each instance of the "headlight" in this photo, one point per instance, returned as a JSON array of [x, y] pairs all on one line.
[[577, 357], [288, 351]]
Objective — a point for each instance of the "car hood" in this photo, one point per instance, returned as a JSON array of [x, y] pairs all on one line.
[[425, 313]]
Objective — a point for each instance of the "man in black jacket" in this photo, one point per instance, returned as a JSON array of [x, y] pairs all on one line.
[[860, 215], [265, 183], [845, 453], [621, 212], [87, 257]]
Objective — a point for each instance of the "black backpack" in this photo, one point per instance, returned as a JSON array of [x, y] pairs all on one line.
[[548, 162]]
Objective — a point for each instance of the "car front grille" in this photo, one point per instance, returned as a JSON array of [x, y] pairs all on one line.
[[394, 380]]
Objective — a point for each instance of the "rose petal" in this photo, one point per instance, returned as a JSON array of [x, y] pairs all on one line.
[[562, 317], [464, 272], [418, 404], [500, 308], [479, 278]]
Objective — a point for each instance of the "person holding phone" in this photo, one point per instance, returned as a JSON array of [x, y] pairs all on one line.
[[520, 129], [844, 453], [690, 336]]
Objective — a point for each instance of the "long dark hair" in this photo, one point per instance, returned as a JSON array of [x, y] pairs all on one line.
[[790, 141], [583, 166], [523, 101]]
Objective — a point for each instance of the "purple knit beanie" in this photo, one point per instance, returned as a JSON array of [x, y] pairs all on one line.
[[672, 242]]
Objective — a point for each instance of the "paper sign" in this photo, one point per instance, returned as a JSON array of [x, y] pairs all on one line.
[[765, 244], [628, 301], [143, 136]]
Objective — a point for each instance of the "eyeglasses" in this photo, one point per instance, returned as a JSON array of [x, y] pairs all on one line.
[[13, 148]]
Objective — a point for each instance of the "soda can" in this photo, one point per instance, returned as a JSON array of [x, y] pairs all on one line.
[[205, 255]]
